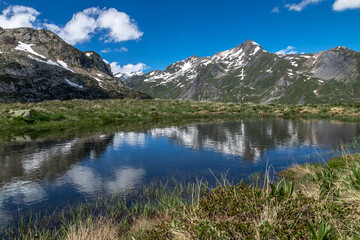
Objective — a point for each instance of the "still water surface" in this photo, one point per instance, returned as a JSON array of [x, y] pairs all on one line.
[[48, 175]]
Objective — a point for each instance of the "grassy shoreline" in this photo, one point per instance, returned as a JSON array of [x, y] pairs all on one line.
[[311, 201], [66, 117]]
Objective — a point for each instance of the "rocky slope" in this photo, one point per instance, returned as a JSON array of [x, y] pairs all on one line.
[[248, 73], [37, 65]]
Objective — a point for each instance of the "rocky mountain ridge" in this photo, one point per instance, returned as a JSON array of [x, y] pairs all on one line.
[[248, 73], [37, 65]]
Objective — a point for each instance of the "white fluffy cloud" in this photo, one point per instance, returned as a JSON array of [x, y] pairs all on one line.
[[302, 5], [341, 5], [77, 30], [116, 67], [18, 16], [115, 26], [118, 26], [288, 50]]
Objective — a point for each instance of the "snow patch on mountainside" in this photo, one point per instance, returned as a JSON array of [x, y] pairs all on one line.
[[186, 66], [64, 65], [73, 84], [255, 51], [47, 61], [27, 48], [59, 63], [52, 63], [99, 82]]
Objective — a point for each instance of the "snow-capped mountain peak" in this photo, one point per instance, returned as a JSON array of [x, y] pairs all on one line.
[[124, 76]]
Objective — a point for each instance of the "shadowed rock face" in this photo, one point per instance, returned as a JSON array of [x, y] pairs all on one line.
[[338, 64], [38, 65], [248, 73]]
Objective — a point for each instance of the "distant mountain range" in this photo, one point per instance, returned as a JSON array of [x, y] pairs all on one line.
[[248, 73], [37, 65], [124, 76]]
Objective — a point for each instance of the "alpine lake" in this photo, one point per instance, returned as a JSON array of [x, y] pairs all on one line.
[[47, 175]]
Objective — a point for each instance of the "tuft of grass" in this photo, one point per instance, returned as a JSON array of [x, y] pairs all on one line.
[[356, 178], [323, 232], [282, 189], [95, 229]]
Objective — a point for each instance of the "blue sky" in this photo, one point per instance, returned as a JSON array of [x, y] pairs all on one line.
[[161, 32]]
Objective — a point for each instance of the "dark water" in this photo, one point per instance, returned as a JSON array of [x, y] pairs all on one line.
[[48, 175]]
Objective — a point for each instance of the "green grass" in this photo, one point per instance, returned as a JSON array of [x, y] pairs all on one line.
[[245, 212], [69, 117]]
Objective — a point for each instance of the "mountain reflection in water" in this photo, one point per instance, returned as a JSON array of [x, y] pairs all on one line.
[[50, 174]]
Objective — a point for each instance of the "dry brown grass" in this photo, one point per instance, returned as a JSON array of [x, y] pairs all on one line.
[[336, 110], [99, 229], [139, 226], [299, 171], [308, 178], [104, 229]]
